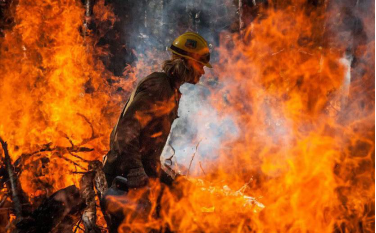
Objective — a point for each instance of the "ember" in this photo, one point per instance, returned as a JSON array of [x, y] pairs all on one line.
[[283, 140]]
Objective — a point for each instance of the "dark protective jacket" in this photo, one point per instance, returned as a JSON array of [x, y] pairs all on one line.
[[141, 133]]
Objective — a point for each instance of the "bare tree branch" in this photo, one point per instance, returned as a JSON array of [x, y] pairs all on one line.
[[19, 163], [13, 180], [193, 156], [201, 168], [3, 200], [93, 135]]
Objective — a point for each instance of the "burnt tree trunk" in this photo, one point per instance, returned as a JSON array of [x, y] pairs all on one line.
[[7, 8]]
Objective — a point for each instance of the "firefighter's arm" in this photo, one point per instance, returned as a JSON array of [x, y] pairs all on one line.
[[140, 112], [127, 136]]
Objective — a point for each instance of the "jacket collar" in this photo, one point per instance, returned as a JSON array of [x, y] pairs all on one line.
[[174, 82]]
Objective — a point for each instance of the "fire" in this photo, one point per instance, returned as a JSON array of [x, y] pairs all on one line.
[[278, 79], [54, 92], [304, 160]]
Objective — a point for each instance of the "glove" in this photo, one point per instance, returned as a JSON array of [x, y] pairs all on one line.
[[120, 184], [137, 178]]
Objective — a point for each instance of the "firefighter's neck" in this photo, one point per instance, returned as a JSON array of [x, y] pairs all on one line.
[[177, 82]]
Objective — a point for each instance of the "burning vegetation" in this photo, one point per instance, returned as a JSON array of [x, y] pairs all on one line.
[[292, 94]]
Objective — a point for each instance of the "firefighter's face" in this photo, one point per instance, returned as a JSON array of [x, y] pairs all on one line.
[[198, 71]]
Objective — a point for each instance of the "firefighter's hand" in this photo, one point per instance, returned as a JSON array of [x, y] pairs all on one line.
[[137, 178]]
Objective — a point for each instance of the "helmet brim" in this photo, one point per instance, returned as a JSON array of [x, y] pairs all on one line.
[[188, 57]]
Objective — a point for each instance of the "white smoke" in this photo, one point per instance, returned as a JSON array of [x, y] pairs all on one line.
[[199, 126]]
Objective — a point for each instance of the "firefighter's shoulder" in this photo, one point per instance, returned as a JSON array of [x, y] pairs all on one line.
[[156, 82]]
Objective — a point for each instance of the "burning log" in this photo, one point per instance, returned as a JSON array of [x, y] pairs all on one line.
[[62, 210], [58, 213]]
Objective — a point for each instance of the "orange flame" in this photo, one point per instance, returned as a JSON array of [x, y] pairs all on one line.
[[281, 82], [296, 167], [277, 84], [54, 90]]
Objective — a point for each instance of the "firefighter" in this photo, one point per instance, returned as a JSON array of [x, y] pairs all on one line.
[[137, 140]]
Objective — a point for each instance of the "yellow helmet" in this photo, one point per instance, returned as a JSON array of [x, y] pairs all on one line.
[[192, 46]]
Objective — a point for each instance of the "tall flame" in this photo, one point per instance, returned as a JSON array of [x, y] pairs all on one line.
[[281, 82], [54, 90]]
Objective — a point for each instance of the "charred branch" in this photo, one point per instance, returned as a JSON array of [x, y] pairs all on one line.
[[58, 151], [12, 179], [3, 200], [89, 216], [100, 182], [93, 135], [95, 177], [201, 168], [47, 148], [193, 156]]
